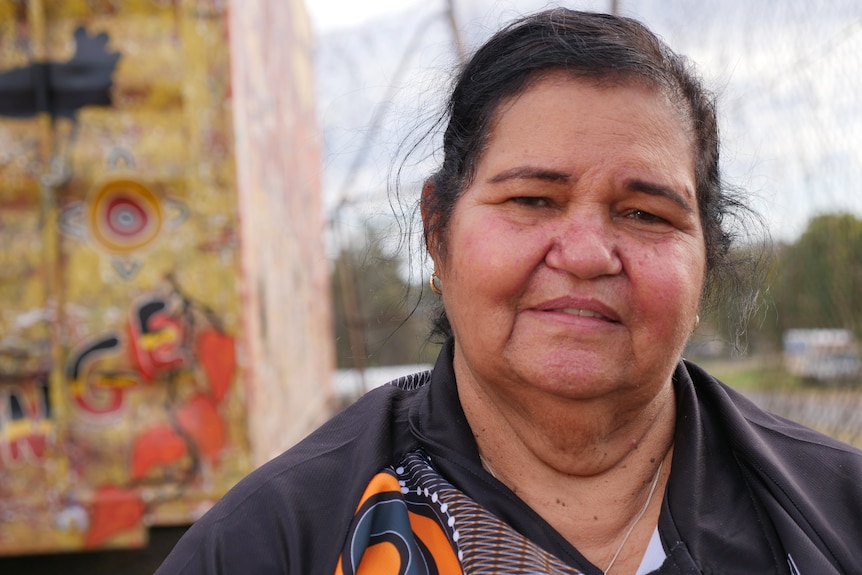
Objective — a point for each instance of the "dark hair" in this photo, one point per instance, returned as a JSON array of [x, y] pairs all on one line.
[[595, 46]]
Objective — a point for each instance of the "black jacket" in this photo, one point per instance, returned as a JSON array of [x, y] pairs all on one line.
[[748, 492]]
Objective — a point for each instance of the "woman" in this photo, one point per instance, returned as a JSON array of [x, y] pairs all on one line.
[[574, 225]]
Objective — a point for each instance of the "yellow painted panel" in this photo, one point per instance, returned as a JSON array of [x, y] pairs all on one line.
[[120, 392], [145, 365]]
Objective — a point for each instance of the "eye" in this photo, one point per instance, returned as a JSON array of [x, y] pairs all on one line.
[[646, 217], [532, 201]]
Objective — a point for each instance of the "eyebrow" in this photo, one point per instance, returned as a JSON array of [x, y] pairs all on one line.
[[657, 190], [531, 173]]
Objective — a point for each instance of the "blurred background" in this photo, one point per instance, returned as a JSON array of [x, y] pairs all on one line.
[[785, 75], [209, 241]]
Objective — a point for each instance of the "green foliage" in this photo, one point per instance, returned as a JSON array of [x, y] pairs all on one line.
[[735, 317], [815, 282], [819, 279], [391, 317]]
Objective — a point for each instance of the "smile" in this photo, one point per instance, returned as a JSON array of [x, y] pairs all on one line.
[[581, 312], [583, 307]]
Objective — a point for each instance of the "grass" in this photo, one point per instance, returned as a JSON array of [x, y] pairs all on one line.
[[760, 374]]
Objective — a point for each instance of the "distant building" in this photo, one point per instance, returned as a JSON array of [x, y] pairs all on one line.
[[826, 355]]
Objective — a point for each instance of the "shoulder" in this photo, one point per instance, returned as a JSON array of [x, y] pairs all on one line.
[[807, 482], [289, 515], [753, 429]]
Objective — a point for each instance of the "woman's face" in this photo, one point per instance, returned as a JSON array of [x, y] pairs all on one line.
[[575, 259]]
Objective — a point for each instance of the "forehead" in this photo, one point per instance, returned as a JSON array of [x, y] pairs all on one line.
[[619, 87], [560, 117], [607, 82]]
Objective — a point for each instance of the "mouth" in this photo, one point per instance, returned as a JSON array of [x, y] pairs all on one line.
[[586, 308], [580, 312]]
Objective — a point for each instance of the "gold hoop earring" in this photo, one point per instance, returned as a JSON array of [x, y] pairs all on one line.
[[696, 321], [433, 283]]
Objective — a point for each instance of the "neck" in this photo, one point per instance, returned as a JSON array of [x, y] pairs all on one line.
[[587, 467], [573, 438]]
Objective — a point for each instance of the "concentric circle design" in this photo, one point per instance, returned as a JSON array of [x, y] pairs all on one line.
[[124, 216], [387, 537]]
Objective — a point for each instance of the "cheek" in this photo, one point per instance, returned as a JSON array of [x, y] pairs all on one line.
[[667, 285], [491, 255]]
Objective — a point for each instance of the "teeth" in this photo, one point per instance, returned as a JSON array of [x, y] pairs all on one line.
[[582, 312]]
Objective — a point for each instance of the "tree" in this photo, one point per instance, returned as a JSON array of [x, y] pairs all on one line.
[[389, 316], [815, 282], [819, 279], [738, 314]]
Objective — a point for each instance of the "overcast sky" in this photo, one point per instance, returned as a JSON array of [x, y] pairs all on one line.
[[788, 76], [328, 15]]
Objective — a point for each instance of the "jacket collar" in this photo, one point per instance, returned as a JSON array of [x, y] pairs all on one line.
[[708, 509]]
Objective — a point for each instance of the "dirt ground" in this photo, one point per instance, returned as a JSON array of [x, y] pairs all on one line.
[[124, 562]]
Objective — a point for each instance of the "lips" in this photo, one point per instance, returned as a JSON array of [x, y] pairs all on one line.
[[580, 312], [588, 308]]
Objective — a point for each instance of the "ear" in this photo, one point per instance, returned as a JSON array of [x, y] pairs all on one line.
[[429, 219]]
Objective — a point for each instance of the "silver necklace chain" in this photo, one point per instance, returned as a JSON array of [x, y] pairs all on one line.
[[636, 519], [634, 523]]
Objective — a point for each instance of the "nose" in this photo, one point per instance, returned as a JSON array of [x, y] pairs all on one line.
[[584, 245]]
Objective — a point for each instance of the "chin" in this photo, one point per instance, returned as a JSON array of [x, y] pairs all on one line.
[[576, 377]]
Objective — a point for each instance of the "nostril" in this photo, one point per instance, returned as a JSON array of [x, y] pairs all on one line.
[[585, 253]]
